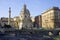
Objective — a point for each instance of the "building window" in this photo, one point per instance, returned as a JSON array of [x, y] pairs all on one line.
[[25, 16], [20, 16]]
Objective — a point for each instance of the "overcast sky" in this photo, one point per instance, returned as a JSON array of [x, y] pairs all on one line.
[[36, 7]]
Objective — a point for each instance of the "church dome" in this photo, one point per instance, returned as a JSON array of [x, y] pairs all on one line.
[[25, 20], [24, 10]]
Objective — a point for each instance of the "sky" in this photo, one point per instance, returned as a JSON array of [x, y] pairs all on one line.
[[36, 7]]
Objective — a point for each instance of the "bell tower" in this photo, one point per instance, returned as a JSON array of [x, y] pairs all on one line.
[[9, 18]]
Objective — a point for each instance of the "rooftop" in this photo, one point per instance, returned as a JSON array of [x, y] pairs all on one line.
[[51, 8]]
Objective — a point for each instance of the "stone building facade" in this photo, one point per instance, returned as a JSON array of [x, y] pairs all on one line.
[[38, 20], [4, 20], [14, 22], [51, 18]]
